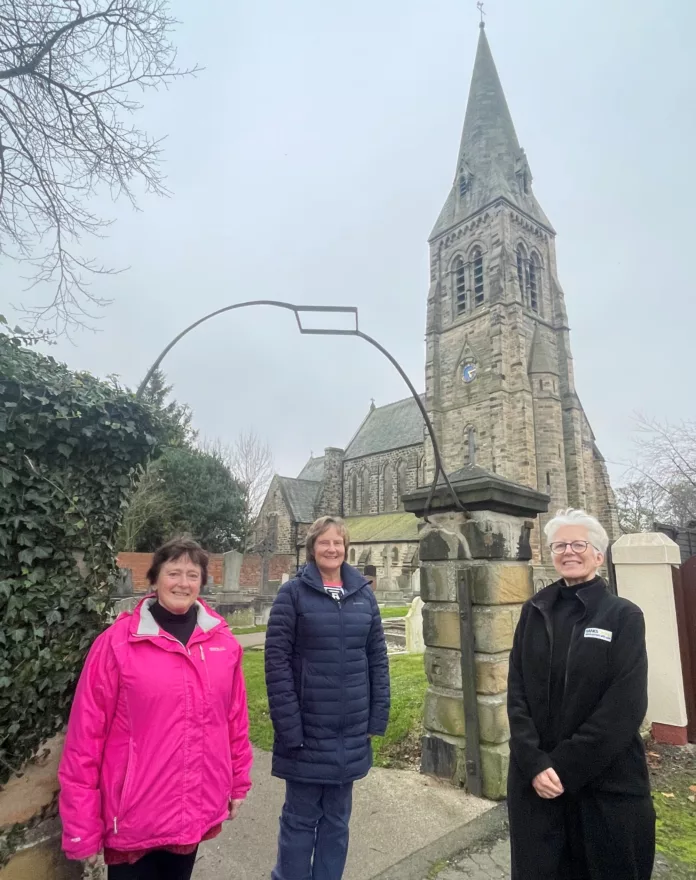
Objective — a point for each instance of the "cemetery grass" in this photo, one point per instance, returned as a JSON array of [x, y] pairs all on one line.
[[246, 630], [386, 613], [673, 781], [398, 749], [401, 611]]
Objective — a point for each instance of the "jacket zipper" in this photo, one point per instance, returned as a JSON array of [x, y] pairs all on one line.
[[570, 648], [549, 630], [343, 698], [205, 665]]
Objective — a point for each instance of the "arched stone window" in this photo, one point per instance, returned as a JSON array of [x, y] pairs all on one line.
[[534, 281], [395, 556], [477, 268], [459, 285], [388, 488], [354, 493], [400, 481], [352, 556], [470, 449], [421, 471], [366, 491], [522, 272]]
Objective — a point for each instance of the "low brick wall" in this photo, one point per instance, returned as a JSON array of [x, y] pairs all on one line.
[[252, 569], [139, 563]]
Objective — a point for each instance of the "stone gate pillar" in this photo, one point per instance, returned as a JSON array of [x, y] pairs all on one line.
[[475, 575]]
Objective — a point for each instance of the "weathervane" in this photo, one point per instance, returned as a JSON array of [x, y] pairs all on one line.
[[479, 6]]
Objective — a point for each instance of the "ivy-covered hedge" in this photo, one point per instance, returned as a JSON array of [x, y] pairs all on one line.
[[69, 448]]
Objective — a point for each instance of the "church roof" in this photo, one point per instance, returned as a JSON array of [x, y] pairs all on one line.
[[300, 496], [388, 427], [490, 157], [313, 470], [384, 528]]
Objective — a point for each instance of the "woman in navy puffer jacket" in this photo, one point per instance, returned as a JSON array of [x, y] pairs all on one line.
[[327, 676]]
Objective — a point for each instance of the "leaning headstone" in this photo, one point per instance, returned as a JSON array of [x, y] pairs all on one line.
[[414, 628]]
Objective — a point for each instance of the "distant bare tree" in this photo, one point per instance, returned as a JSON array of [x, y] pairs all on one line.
[[69, 70], [639, 505], [250, 461], [666, 467]]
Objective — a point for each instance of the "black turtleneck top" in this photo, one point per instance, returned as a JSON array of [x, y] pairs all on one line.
[[181, 626], [567, 611]]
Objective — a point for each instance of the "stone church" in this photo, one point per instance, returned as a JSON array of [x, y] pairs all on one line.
[[499, 384]]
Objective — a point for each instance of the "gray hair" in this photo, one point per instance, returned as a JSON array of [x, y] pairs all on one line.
[[595, 530]]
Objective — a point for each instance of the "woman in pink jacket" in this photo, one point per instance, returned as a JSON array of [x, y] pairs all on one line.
[[157, 753]]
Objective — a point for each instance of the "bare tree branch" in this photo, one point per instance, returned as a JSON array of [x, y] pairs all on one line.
[[664, 470], [69, 73], [250, 462]]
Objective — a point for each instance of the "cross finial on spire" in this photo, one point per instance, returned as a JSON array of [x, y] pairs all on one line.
[[479, 6]]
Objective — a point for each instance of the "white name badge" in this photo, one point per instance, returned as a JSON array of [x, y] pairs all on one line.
[[593, 633]]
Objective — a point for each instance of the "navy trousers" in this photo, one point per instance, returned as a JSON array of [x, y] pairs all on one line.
[[313, 840]]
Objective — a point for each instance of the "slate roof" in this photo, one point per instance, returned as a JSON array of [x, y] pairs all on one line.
[[388, 427], [384, 528], [300, 496], [490, 152], [313, 470]]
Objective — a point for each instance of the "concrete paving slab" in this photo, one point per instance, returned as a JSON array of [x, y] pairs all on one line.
[[400, 818], [251, 640]]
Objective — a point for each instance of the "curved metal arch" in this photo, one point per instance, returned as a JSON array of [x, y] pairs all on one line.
[[349, 310]]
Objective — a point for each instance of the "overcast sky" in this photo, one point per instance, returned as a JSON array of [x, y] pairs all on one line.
[[310, 159]]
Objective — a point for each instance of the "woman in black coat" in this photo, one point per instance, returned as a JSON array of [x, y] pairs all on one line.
[[578, 788], [327, 676]]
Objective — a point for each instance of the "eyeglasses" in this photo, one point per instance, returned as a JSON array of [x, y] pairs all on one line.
[[559, 547]]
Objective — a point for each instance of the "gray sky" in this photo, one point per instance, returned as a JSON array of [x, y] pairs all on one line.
[[309, 162]]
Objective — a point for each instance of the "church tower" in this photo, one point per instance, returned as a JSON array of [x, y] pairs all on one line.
[[499, 373]]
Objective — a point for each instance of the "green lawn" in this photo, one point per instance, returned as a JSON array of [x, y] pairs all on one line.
[[394, 612], [245, 630], [408, 685]]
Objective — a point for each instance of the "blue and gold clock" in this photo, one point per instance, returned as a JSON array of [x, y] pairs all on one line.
[[469, 372]]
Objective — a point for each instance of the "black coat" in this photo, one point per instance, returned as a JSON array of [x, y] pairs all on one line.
[[596, 750], [327, 676]]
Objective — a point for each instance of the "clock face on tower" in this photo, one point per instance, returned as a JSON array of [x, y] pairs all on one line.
[[469, 372]]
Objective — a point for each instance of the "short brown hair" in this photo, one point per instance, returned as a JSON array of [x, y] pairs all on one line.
[[175, 549], [319, 526]]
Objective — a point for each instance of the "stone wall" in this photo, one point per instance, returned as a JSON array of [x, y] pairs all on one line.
[[369, 472], [29, 801], [498, 585], [275, 529], [330, 499], [396, 563]]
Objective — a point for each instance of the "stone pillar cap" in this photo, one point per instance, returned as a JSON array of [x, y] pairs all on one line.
[[478, 489], [645, 548]]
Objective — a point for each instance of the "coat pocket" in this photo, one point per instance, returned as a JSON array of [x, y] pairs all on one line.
[[127, 785], [303, 676]]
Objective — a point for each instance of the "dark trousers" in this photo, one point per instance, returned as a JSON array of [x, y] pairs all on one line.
[[593, 835], [157, 865], [313, 840]]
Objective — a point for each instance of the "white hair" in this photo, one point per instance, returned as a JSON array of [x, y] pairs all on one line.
[[595, 530]]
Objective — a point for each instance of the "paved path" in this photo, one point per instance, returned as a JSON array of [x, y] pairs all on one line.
[[396, 815], [491, 861], [251, 640]]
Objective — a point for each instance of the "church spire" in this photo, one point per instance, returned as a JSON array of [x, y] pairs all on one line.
[[491, 164]]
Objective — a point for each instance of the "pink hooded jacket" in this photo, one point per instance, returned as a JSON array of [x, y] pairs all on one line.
[[158, 738]]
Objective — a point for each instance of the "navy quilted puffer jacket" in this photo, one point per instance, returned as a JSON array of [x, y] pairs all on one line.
[[327, 676]]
